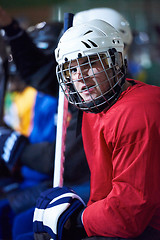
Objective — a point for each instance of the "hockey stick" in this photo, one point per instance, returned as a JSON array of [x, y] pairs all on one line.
[[61, 124], [3, 77], [3, 86]]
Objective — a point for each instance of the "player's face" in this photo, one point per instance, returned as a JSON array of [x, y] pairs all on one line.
[[89, 77]]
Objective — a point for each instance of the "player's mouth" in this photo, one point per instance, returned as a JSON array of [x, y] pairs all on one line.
[[88, 93], [87, 89]]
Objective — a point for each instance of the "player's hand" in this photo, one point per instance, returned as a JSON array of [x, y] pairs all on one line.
[[12, 144], [56, 214], [5, 18]]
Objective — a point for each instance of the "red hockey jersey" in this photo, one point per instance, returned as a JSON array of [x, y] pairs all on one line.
[[122, 147]]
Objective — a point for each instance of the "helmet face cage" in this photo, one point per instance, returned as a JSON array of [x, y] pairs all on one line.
[[107, 79]]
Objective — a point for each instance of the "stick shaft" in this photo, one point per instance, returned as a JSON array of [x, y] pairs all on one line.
[[61, 124]]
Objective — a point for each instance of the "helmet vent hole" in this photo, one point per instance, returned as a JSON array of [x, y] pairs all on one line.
[[93, 43], [86, 44], [116, 41], [88, 32]]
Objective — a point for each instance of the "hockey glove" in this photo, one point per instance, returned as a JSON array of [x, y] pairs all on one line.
[[56, 213], [11, 146]]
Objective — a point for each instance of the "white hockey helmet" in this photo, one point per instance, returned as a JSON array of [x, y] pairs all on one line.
[[110, 16], [98, 40]]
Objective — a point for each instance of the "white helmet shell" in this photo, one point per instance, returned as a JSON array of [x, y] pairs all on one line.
[[87, 39], [110, 16]]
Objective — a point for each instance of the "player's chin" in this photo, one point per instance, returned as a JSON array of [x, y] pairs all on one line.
[[88, 99]]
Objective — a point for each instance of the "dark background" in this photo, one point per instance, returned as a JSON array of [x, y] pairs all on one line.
[[143, 16]]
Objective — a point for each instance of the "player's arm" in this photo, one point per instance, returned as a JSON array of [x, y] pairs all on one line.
[[36, 68], [21, 44]]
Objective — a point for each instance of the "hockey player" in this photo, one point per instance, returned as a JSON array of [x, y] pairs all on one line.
[[121, 136]]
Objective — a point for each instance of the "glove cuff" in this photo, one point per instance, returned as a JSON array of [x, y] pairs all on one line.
[[70, 224], [79, 222]]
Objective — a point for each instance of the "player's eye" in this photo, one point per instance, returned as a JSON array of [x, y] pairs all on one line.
[[73, 70], [67, 79]]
